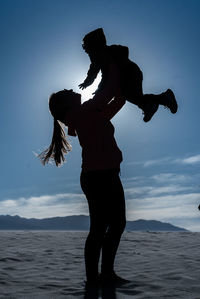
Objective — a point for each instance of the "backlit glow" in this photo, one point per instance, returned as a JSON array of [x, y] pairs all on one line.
[[87, 93]]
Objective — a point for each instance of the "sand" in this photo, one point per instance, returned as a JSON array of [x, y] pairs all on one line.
[[50, 264]]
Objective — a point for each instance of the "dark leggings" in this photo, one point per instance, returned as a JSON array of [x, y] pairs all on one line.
[[105, 196]]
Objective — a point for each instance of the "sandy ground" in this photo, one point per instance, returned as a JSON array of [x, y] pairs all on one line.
[[46, 264]]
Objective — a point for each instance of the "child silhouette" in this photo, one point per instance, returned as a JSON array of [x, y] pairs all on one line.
[[131, 77]]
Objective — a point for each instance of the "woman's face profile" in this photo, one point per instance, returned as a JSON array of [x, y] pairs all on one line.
[[73, 99]]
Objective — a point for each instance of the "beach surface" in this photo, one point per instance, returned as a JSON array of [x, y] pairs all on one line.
[[50, 264]]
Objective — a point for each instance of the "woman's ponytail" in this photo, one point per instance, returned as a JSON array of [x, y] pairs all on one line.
[[58, 148]]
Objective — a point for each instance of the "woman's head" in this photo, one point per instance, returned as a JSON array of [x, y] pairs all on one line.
[[60, 103]]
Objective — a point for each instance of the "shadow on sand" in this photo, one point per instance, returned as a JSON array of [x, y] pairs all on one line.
[[109, 291]]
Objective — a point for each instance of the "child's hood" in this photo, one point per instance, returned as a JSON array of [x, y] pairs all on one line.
[[95, 37]]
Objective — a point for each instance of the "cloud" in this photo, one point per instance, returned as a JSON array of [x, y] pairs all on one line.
[[171, 208], [151, 191], [151, 162], [136, 191], [133, 179], [170, 197], [191, 160], [166, 196], [171, 177], [169, 189], [156, 162], [45, 205], [146, 202]]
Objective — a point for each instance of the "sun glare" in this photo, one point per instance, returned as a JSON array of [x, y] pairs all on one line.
[[87, 93]]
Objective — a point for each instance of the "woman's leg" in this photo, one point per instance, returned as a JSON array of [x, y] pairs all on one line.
[[92, 184], [116, 226], [92, 251], [105, 197]]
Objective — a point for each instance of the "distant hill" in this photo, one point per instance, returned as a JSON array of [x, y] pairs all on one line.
[[77, 222]]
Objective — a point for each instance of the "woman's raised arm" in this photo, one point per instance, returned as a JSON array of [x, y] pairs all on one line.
[[104, 96], [113, 107]]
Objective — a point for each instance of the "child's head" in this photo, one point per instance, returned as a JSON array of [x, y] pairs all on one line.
[[94, 40]]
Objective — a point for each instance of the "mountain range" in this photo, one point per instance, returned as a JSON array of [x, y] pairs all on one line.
[[77, 223]]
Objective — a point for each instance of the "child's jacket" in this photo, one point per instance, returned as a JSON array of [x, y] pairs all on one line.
[[102, 56], [100, 62]]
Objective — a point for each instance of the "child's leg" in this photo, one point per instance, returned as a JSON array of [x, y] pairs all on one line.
[[131, 83], [132, 90], [149, 103], [166, 99]]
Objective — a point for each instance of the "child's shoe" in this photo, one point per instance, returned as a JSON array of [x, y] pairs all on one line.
[[149, 109], [170, 101]]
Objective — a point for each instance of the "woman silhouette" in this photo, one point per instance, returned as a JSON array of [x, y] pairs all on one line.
[[100, 180]]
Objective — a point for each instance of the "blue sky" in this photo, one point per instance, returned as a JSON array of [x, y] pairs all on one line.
[[41, 53]]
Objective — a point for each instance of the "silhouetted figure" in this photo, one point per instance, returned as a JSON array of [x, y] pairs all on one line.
[[131, 77], [100, 180], [103, 291], [199, 207]]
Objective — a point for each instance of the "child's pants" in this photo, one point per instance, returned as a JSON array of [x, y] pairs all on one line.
[[127, 82]]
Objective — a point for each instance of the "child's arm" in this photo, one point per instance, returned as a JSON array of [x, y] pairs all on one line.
[[91, 75]]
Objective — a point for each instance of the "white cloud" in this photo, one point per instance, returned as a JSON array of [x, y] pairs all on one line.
[[133, 179], [134, 191], [168, 208], [192, 160], [168, 189], [156, 162], [8, 203], [171, 177], [168, 197], [45, 206], [168, 160], [151, 162], [145, 191]]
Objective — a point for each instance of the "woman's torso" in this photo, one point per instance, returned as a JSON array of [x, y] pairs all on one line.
[[96, 137]]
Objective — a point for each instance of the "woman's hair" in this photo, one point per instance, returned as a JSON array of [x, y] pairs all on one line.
[[59, 145]]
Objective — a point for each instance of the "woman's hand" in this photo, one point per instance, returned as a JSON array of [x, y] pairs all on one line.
[[113, 107]]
